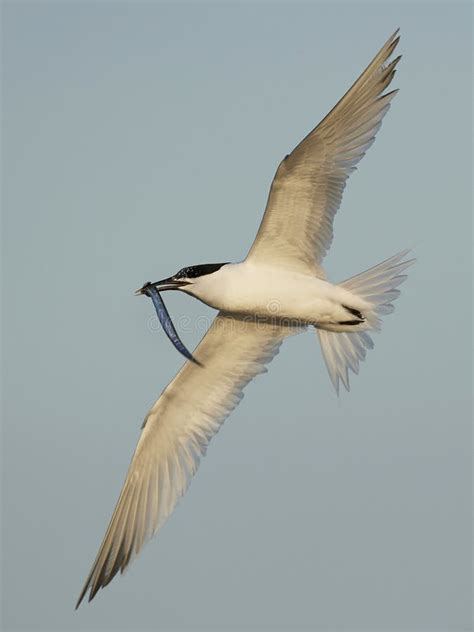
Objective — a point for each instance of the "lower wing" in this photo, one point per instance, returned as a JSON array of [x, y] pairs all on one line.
[[176, 433]]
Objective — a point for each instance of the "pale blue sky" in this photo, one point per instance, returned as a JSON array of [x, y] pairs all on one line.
[[142, 137]]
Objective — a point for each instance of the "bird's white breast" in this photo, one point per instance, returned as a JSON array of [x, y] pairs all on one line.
[[248, 288]]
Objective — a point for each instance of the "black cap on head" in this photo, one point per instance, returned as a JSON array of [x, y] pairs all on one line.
[[192, 272]]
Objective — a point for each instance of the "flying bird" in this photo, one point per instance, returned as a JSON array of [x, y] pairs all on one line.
[[278, 290]]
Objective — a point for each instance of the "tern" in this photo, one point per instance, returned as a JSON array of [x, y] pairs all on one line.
[[278, 290]]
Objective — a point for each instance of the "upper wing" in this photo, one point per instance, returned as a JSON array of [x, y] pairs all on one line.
[[297, 227], [176, 433]]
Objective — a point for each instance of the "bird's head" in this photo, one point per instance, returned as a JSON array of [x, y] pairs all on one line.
[[184, 278]]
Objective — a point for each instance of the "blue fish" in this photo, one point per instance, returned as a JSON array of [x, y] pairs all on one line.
[[167, 323]]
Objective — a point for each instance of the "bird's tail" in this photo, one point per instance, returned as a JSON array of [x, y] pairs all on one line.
[[378, 285]]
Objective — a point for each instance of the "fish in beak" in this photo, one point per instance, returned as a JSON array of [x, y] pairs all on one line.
[[153, 291], [161, 286]]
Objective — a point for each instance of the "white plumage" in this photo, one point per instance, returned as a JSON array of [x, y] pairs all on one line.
[[279, 290]]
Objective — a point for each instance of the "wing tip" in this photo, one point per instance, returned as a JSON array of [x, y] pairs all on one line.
[[93, 590], [81, 596], [395, 35], [391, 44]]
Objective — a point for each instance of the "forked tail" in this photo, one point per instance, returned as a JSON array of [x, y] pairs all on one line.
[[378, 285]]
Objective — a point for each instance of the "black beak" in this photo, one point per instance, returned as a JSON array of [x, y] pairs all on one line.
[[161, 286]]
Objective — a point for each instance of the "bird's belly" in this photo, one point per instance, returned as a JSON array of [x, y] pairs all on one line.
[[277, 294]]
